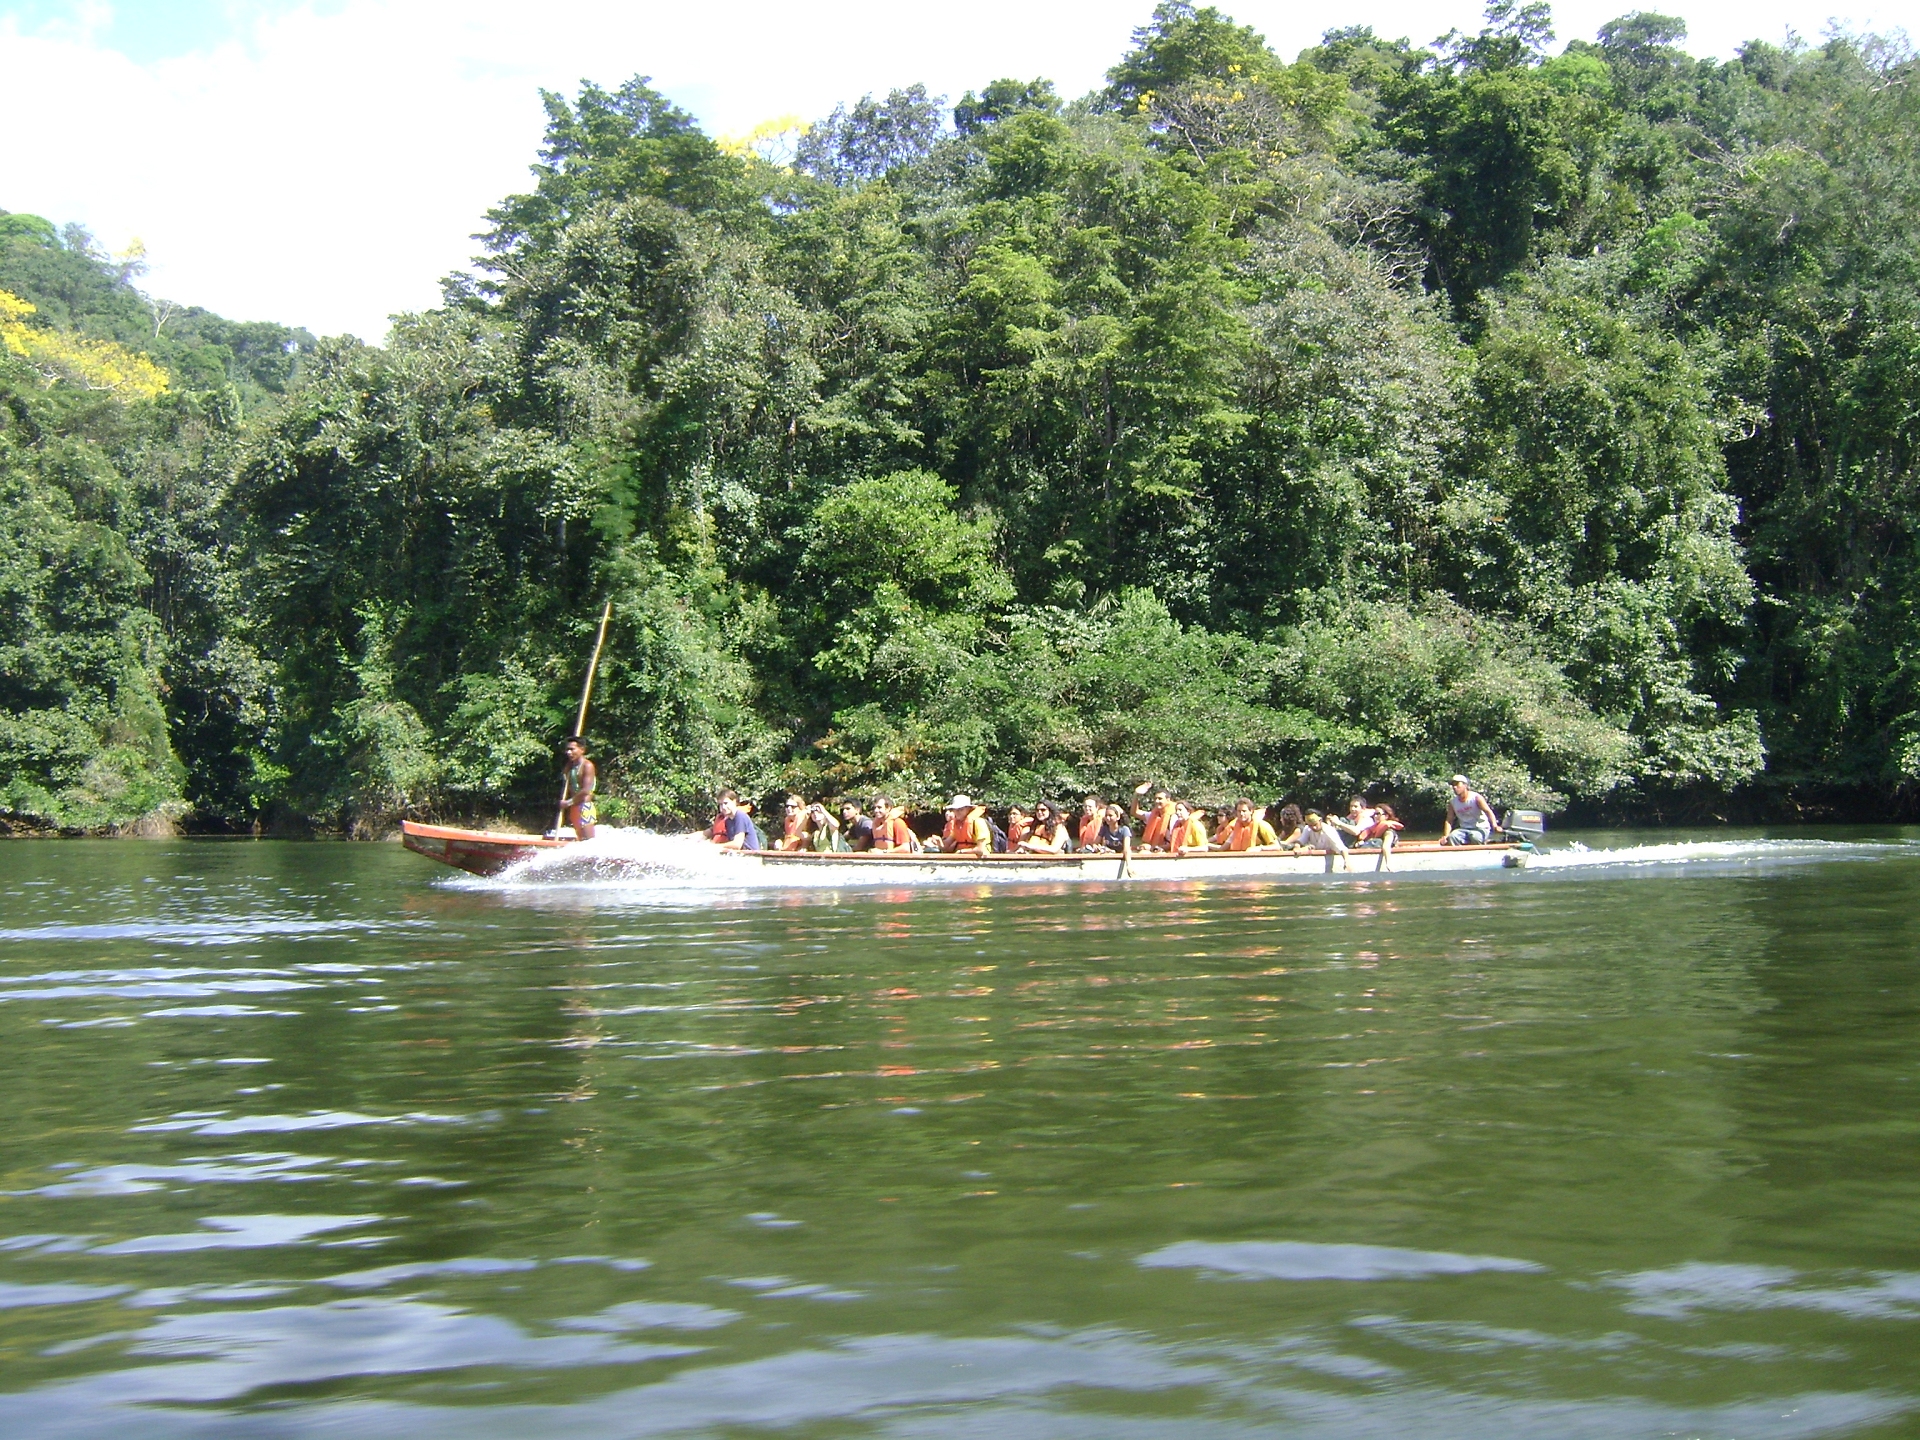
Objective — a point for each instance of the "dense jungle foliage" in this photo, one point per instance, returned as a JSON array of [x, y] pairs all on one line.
[[1249, 425]]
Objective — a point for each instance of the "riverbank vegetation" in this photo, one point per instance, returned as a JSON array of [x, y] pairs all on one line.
[[1248, 424]]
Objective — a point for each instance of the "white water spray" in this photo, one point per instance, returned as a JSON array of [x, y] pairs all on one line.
[[1718, 855], [645, 859]]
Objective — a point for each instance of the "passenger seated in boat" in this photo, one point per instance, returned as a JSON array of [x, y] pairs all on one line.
[[1386, 825], [1049, 834], [1093, 818], [966, 831], [1293, 828], [820, 832], [1470, 819], [1019, 825], [735, 825], [890, 829], [576, 793], [1159, 820], [1321, 835], [1246, 831], [1113, 836], [855, 829], [793, 833], [1187, 830], [1383, 833], [1358, 819]]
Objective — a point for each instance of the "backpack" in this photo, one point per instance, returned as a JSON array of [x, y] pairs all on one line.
[[999, 836]]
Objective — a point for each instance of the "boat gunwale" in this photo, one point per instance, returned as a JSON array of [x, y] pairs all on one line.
[[488, 853], [515, 840], [1081, 857]]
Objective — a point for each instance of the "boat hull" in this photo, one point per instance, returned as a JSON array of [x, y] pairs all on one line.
[[482, 852], [478, 852], [1415, 857]]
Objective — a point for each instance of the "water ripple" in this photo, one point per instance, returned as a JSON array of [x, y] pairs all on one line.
[[1299, 1260], [137, 1179], [238, 1232], [233, 931], [1685, 1290], [220, 1123]]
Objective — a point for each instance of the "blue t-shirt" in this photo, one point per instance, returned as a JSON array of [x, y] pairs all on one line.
[[741, 824]]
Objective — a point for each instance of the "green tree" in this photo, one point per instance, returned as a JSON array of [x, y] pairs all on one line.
[[1001, 99], [873, 137], [611, 145], [83, 736]]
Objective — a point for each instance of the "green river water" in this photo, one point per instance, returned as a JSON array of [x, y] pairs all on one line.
[[313, 1140]]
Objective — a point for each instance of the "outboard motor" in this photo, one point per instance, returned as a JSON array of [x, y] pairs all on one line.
[[1529, 825], [1526, 826]]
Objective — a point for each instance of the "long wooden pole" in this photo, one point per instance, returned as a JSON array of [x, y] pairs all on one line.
[[586, 690], [586, 694]]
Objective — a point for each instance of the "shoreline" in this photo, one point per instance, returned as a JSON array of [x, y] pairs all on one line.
[[1780, 808]]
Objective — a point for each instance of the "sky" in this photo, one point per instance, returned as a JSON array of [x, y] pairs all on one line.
[[324, 162]]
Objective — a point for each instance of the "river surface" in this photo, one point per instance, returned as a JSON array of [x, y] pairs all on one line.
[[310, 1140]]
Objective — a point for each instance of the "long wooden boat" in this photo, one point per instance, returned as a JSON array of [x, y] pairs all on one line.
[[478, 852], [482, 852]]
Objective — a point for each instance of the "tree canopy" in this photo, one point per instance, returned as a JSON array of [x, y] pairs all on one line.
[[1249, 424]]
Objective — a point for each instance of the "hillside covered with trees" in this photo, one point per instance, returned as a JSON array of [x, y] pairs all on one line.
[[1248, 424]]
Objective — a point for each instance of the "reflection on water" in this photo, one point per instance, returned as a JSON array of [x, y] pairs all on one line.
[[1297, 1260], [304, 1140]]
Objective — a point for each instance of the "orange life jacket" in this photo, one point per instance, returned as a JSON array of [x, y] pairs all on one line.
[[718, 830], [967, 832], [1239, 835], [1193, 836], [1017, 830], [1054, 837], [892, 833], [1154, 832]]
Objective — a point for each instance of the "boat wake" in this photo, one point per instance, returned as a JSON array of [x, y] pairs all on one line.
[[1717, 855]]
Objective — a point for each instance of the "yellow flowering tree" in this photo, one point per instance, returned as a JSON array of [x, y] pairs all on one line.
[[60, 355], [775, 141]]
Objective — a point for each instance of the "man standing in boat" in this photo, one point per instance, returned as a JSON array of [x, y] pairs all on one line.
[[576, 799]]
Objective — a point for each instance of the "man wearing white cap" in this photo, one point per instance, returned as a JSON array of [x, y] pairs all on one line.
[[1469, 818], [966, 831]]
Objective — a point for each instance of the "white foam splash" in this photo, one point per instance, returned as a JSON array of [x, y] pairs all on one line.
[[626, 856], [1719, 853], [646, 860]]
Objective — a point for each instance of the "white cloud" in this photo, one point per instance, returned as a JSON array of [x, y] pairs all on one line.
[[325, 168]]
